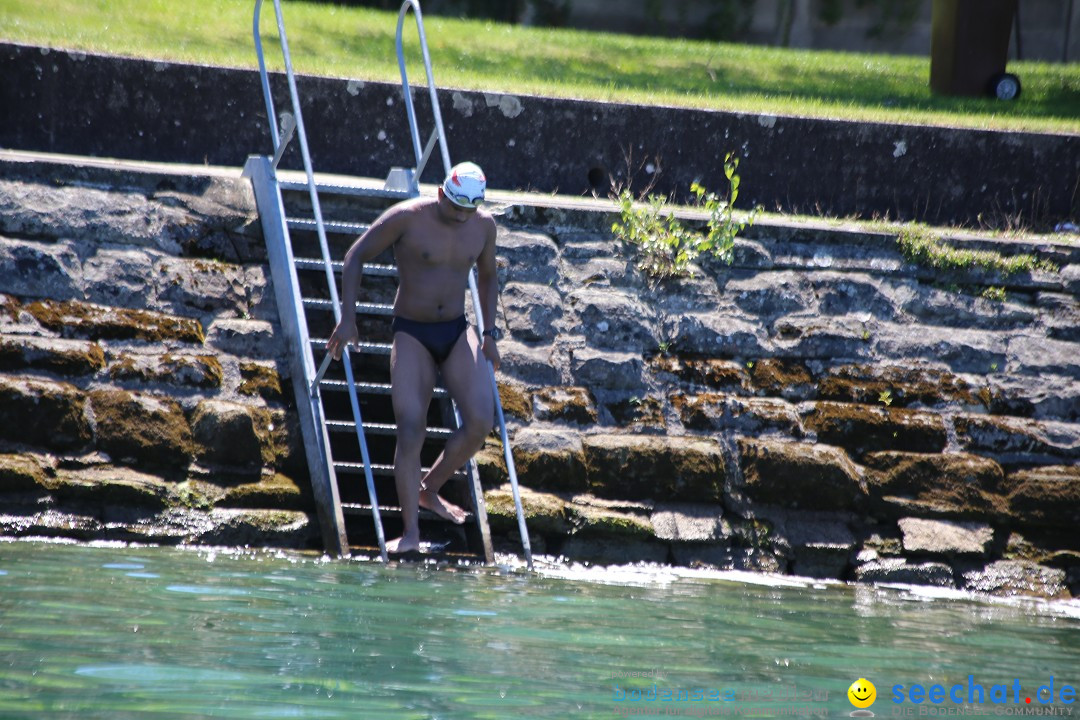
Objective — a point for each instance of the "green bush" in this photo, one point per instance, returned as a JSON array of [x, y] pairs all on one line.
[[665, 247]]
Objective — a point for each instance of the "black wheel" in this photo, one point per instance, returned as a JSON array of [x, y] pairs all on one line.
[[1005, 86]]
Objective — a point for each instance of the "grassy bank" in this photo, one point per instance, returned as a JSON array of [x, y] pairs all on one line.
[[359, 43]]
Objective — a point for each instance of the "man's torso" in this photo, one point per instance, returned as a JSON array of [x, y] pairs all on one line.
[[434, 259]]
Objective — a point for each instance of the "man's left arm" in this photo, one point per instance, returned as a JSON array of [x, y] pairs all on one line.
[[487, 286]]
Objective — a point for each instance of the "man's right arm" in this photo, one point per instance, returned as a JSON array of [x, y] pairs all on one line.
[[383, 233]]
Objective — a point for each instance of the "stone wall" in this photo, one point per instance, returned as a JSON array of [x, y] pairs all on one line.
[[820, 407], [140, 394], [85, 104]]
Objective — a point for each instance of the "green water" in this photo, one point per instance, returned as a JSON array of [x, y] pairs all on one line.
[[134, 632]]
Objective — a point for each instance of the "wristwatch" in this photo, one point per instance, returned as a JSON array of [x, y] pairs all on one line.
[[494, 333]]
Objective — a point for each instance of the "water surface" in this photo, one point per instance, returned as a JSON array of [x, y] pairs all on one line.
[[142, 632]]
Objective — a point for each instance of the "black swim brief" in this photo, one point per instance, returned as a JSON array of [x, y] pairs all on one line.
[[438, 338]]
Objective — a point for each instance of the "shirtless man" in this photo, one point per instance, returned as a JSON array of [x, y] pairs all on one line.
[[436, 242]]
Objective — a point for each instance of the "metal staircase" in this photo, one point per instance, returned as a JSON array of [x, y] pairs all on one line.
[[347, 424]]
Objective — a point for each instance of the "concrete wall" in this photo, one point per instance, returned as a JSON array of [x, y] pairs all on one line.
[[106, 106]]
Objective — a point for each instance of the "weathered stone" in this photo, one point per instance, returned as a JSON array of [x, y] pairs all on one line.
[[22, 474], [707, 334], [225, 434], [279, 528], [641, 466], [689, 522], [614, 319], [529, 255], [609, 370], [544, 513], [491, 464], [592, 519], [821, 548], [964, 351], [274, 491], [713, 373], [637, 413], [252, 339], [260, 379], [598, 264], [52, 523], [821, 337], [37, 270], [947, 538], [1018, 437], [565, 404], [106, 486], [608, 551], [201, 285], [515, 401], [531, 311], [901, 571], [1035, 354], [772, 293], [1017, 577], [868, 384], [550, 459], [945, 308], [1019, 547], [196, 494], [1045, 496], [862, 428], [141, 429], [530, 365], [40, 210], [42, 413], [747, 416], [800, 475], [722, 557], [120, 277], [63, 357], [953, 484], [179, 370], [842, 294], [1046, 397], [784, 378], [98, 322]]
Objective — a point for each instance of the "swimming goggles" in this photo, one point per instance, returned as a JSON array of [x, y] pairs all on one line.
[[463, 201]]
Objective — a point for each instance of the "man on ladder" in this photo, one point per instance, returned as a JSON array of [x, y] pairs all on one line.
[[436, 242]]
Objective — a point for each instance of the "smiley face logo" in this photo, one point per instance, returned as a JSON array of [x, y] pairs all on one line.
[[862, 693]]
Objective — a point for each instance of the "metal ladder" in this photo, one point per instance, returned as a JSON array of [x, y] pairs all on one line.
[[318, 424]]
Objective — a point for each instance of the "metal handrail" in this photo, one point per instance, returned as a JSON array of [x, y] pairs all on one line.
[[324, 248], [439, 134]]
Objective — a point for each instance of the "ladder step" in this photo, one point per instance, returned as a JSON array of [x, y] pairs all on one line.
[[362, 348], [331, 226], [362, 308], [381, 429], [342, 189], [394, 512], [369, 269], [369, 388], [347, 468]]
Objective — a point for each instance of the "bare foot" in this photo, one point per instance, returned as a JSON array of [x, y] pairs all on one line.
[[402, 545], [443, 508]]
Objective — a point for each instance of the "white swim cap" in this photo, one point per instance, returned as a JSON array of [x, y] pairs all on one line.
[[465, 185]]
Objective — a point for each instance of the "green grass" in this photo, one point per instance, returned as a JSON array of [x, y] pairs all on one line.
[[359, 43]]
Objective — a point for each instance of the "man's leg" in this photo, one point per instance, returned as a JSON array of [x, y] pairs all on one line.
[[465, 374], [412, 379]]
